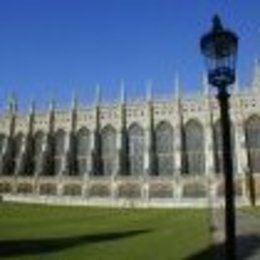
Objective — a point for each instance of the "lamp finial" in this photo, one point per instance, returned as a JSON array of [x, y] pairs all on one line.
[[217, 25]]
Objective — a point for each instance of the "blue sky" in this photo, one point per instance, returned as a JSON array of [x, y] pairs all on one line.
[[54, 47]]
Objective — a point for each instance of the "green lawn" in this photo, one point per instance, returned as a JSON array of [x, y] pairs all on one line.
[[252, 210], [35, 231]]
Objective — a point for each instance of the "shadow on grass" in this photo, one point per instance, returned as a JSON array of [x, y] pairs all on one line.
[[247, 245], [10, 248]]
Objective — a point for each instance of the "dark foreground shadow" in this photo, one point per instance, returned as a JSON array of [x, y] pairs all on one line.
[[10, 248], [247, 245]]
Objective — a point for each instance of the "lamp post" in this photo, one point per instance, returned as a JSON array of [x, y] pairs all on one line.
[[219, 47]]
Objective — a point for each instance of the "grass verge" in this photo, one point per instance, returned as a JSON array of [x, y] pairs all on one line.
[[31, 231]]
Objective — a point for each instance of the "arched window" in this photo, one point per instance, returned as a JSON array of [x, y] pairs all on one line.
[[59, 150], [38, 146], [18, 144], [108, 150], [83, 150], [2, 142], [193, 154], [164, 148], [13, 149], [136, 149], [218, 148], [252, 129]]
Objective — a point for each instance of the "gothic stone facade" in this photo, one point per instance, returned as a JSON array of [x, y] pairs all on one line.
[[151, 151]]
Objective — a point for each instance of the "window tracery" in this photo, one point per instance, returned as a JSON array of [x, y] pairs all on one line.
[[136, 150], [38, 150], [164, 148], [108, 151], [193, 153], [59, 150], [83, 142], [252, 130]]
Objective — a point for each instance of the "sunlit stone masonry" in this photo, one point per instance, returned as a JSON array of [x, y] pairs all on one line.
[[154, 152]]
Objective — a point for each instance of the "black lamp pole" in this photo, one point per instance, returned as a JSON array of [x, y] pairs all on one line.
[[219, 47], [230, 218]]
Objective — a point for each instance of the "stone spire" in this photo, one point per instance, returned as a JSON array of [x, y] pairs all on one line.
[[256, 77], [177, 86], [236, 86], [205, 84], [51, 104], [149, 91], [32, 107], [98, 94], [12, 103], [122, 92], [74, 101], [51, 98]]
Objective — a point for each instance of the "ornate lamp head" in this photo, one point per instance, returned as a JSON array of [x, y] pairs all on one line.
[[219, 47]]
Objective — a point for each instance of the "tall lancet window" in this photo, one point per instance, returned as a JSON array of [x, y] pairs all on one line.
[[218, 148], [18, 145], [59, 150], [38, 151], [252, 127], [136, 150], [2, 143], [109, 151], [193, 154], [164, 148], [83, 150]]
